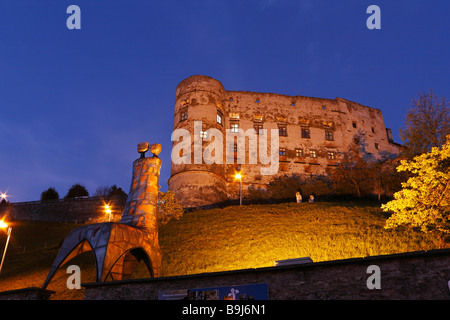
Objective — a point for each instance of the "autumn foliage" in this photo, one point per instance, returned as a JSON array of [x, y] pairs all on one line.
[[424, 201]]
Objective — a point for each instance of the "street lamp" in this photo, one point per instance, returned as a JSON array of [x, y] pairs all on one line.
[[239, 176], [108, 211], [3, 225]]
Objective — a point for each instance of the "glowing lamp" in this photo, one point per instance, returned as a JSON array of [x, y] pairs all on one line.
[[3, 225]]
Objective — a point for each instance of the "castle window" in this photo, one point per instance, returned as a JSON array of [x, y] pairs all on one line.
[[312, 154], [219, 118], [235, 148], [373, 130], [282, 151], [184, 116], [329, 135], [292, 104], [306, 133], [257, 118], [282, 131], [203, 134], [257, 100], [354, 124], [258, 128], [377, 146], [331, 155], [185, 102], [235, 127], [299, 152]]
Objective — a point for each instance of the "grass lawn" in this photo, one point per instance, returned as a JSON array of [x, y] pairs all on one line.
[[223, 239]]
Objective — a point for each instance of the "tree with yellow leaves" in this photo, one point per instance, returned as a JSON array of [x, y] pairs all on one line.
[[424, 200]]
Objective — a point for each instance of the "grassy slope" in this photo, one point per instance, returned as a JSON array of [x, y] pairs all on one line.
[[256, 236], [224, 239]]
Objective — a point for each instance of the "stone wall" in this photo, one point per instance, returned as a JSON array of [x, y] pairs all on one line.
[[31, 293], [416, 275], [81, 210]]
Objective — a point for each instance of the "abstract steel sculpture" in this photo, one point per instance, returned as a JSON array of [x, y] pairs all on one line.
[[119, 247]]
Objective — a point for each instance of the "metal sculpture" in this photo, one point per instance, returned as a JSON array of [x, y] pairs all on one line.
[[119, 247]]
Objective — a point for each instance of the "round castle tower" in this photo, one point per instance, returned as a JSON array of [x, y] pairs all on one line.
[[199, 99]]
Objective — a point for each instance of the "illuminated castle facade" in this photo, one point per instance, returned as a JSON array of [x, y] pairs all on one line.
[[312, 132]]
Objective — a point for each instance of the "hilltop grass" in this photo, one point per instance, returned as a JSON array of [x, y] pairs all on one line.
[[224, 239], [258, 235]]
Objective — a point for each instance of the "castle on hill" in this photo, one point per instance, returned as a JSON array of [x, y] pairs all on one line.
[[311, 133]]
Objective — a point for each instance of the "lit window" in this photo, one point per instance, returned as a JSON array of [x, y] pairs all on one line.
[[282, 151], [184, 116], [219, 119], [329, 135], [235, 127], [203, 134], [185, 102], [306, 133], [313, 153], [331, 155], [258, 128], [282, 131], [299, 152]]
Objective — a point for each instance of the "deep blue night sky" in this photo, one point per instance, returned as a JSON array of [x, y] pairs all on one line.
[[75, 103]]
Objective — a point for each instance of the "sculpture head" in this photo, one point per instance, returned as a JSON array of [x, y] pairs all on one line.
[[155, 149], [142, 148]]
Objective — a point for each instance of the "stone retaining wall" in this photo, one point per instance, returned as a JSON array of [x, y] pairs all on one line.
[[416, 275], [81, 210]]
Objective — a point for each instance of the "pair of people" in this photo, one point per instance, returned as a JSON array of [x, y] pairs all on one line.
[[299, 197]]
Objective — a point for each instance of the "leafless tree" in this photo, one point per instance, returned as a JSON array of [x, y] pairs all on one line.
[[427, 124]]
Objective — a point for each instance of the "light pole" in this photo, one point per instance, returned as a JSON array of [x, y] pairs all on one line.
[[239, 176], [3, 225], [3, 196], [108, 211]]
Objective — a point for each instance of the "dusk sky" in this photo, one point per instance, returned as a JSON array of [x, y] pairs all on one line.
[[75, 103]]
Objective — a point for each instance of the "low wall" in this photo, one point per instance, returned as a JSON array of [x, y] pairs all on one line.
[[80, 210], [416, 275], [31, 293]]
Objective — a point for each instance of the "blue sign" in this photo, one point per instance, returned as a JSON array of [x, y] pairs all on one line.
[[258, 291]]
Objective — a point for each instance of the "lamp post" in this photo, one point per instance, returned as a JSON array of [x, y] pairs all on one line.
[[239, 176], [3, 225], [3, 196], [108, 211]]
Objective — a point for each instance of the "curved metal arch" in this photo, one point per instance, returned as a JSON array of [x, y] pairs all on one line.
[[139, 255], [78, 249]]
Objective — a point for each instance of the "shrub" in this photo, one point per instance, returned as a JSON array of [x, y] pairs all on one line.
[[168, 207]]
